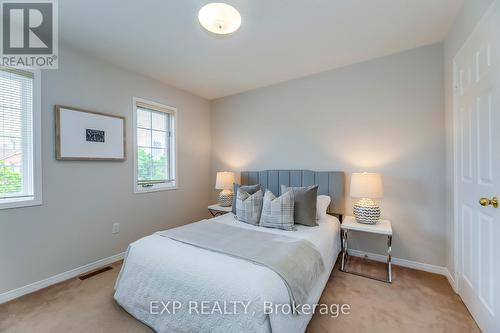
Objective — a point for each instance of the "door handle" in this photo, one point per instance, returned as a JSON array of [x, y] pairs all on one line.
[[487, 202]]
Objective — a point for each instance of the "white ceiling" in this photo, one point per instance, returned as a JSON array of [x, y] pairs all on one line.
[[278, 40]]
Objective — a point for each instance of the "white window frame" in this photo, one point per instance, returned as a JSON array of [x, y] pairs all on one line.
[[36, 200], [172, 152]]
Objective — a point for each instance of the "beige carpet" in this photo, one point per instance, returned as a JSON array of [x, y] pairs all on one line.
[[415, 302]]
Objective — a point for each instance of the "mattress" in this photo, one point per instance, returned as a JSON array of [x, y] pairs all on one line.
[[158, 271]]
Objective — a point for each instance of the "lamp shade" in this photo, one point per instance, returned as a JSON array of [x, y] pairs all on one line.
[[366, 185], [224, 180]]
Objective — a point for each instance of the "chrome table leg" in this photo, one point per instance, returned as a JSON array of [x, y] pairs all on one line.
[[344, 251], [345, 255], [389, 258]]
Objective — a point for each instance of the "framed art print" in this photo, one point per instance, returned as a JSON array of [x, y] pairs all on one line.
[[83, 135]]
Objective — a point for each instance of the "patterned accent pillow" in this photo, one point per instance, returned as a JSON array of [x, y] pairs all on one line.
[[251, 189], [248, 206], [277, 212]]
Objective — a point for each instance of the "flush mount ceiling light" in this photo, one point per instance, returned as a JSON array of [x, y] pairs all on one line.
[[219, 18]]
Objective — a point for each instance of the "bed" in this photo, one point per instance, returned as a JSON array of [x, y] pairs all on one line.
[[159, 273]]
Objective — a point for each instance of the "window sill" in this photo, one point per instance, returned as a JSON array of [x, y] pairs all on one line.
[[8, 204], [141, 190]]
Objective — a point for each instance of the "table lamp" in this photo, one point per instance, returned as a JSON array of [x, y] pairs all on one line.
[[224, 182], [366, 186]]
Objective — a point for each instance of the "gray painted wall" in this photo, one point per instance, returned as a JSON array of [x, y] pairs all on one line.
[[81, 200], [318, 122], [384, 115], [464, 24]]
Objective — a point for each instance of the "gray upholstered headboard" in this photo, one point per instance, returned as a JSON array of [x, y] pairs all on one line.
[[330, 183]]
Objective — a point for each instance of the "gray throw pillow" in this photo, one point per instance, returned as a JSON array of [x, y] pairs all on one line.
[[248, 206], [305, 199], [277, 212], [251, 189]]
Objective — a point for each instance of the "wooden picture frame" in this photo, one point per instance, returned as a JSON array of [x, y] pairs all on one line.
[[99, 143]]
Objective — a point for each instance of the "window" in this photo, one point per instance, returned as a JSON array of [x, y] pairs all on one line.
[[155, 146], [20, 141]]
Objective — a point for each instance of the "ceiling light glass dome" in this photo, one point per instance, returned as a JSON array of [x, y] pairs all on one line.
[[219, 18]]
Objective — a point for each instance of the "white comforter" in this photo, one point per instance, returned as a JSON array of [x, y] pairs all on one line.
[[158, 269]]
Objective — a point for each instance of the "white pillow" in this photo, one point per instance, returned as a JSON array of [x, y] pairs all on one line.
[[322, 205]]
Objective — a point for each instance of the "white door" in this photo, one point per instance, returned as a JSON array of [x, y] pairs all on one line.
[[477, 165]]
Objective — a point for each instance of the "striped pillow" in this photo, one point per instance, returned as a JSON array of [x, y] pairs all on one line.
[[277, 212], [248, 206]]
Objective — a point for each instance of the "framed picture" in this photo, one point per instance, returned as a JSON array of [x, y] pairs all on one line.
[[83, 135]]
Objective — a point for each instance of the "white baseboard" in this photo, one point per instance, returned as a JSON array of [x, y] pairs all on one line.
[[451, 280], [18, 292], [402, 262]]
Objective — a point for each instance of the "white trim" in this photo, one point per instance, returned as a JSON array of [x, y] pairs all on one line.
[[155, 189], [452, 281], [20, 202], [36, 199], [401, 262], [18, 292], [454, 189], [173, 152]]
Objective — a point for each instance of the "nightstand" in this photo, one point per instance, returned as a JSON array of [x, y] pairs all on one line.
[[218, 210], [383, 227]]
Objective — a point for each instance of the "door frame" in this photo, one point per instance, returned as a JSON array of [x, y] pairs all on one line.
[[455, 275]]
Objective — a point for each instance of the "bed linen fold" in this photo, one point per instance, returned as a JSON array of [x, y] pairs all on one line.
[[297, 261], [159, 268]]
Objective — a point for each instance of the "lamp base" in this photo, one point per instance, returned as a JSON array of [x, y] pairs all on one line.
[[366, 211], [226, 198]]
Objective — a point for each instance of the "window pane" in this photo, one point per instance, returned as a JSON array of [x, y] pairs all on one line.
[[153, 146], [144, 164], [160, 121], [143, 137], [10, 122], [143, 118], [159, 164], [10, 166], [159, 139], [9, 145], [16, 131], [10, 178], [11, 92]]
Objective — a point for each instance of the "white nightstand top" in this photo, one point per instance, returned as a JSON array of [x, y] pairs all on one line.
[[221, 208], [383, 227]]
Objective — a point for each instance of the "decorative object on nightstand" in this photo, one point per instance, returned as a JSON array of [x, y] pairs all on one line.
[[224, 182], [366, 186], [218, 210], [383, 227]]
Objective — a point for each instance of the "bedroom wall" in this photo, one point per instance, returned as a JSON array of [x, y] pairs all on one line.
[[384, 115], [464, 24], [81, 200]]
